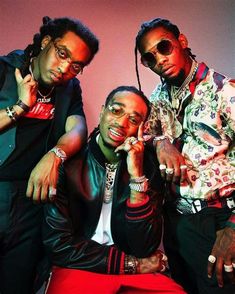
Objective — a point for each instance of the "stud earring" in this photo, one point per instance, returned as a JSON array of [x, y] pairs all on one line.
[[42, 48]]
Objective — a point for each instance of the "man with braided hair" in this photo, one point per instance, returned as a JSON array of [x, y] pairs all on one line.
[[193, 121], [42, 123]]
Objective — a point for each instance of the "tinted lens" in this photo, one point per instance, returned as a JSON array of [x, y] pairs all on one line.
[[148, 59], [164, 47]]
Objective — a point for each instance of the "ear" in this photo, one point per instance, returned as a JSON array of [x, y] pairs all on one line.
[[183, 41], [45, 41]]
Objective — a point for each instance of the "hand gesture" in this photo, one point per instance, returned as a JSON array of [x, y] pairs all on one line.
[[135, 153], [27, 88]]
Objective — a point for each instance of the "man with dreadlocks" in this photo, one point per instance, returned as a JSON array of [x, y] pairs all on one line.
[[103, 230], [193, 121], [42, 123]]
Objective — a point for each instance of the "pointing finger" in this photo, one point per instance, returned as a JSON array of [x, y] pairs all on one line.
[[18, 76], [140, 131]]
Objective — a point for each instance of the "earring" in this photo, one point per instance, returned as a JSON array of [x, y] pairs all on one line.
[[42, 48]]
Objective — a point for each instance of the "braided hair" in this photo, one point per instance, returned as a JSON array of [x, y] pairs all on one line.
[[56, 28], [150, 25]]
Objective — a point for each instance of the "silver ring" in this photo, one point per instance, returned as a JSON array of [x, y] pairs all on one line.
[[211, 258], [164, 257], [163, 268], [52, 192], [228, 268], [134, 142], [162, 166], [169, 171], [131, 139], [183, 166]]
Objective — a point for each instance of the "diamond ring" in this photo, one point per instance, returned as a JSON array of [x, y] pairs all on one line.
[[134, 142], [162, 166], [211, 258], [52, 192], [169, 171], [183, 166]]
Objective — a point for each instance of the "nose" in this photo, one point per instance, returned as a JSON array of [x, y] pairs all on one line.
[[123, 120], [64, 67], [161, 59]]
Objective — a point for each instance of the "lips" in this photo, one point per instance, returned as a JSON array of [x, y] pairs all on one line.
[[167, 70], [117, 135], [56, 77]]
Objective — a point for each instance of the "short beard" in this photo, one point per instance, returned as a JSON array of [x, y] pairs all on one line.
[[107, 145], [177, 81]]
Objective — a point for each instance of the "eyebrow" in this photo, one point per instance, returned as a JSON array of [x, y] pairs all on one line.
[[69, 53], [123, 105]]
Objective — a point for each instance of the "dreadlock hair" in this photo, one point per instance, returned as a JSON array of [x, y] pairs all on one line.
[[150, 25], [56, 28], [131, 89]]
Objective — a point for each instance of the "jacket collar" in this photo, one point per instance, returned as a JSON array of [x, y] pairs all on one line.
[[96, 151]]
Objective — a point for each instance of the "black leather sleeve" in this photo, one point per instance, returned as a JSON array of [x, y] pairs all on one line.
[[67, 248]]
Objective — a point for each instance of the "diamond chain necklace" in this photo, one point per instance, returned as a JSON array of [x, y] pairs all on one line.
[[177, 93]]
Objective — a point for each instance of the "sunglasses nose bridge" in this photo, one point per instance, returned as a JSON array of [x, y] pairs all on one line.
[[122, 120]]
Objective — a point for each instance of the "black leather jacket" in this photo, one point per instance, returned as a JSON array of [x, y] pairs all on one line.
[[71, 220]]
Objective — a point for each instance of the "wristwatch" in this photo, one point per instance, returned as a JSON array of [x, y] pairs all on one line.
[[59, 153]]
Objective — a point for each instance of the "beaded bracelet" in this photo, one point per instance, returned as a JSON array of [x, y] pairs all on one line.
[[22, 105], [11, 113]]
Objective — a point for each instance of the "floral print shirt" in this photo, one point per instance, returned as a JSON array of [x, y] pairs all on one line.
[[206, 132]]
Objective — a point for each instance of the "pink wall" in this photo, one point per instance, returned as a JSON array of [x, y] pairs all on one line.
[[208, 24]]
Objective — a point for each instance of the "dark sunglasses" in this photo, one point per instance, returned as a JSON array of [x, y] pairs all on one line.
[[164, 47]]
